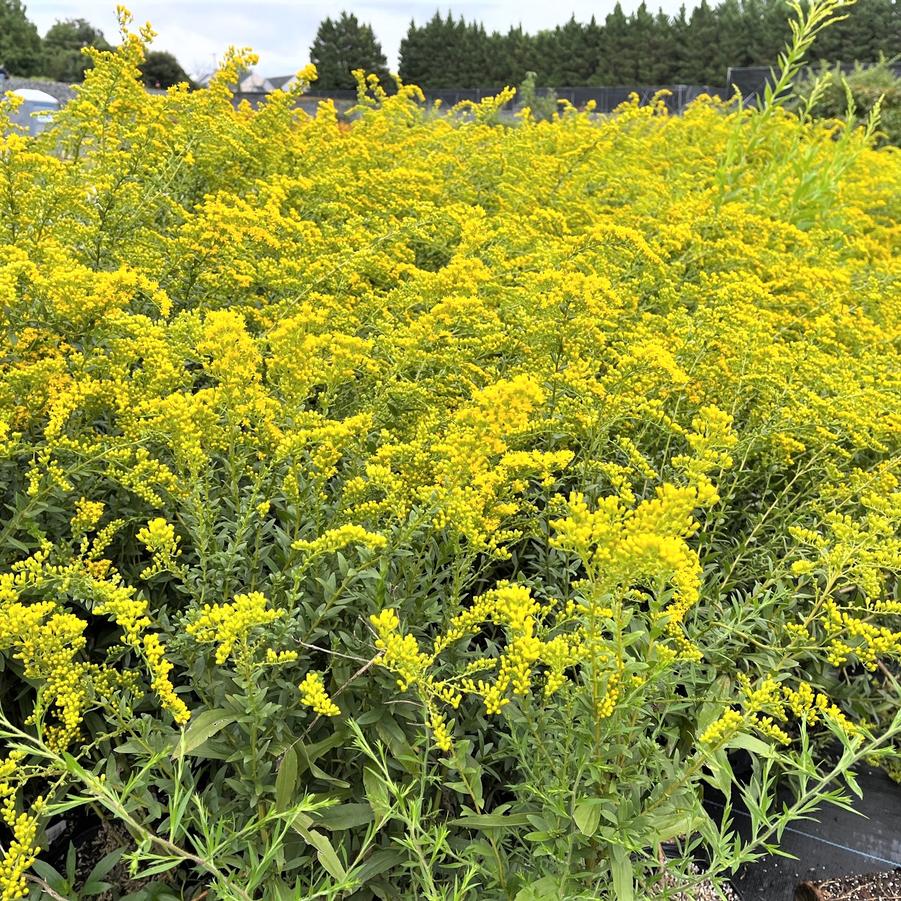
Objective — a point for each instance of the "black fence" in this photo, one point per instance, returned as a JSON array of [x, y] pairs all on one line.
[[751, 81], [606, 99]]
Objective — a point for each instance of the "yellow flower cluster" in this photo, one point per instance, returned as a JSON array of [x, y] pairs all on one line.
[[767, 704], [646, 544], [313, 694], [230, 624], [160, 668], [159, 537], [338, 538], [530, 648], [621, 547], [22, 850], [87, 515], [20, 854], [48, 640]]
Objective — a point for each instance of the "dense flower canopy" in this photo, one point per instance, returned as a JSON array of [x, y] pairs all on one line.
[[517, 415]]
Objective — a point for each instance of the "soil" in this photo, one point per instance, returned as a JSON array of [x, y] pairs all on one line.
[[834, 845], [865, 887], [93, 838], [703, 892]]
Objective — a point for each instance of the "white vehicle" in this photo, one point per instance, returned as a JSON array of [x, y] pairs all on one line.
[[36, 111]]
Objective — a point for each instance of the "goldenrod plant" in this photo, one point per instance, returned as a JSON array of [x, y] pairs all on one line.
[[434, 505]]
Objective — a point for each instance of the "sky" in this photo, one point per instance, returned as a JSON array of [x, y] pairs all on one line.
[[281, 31]]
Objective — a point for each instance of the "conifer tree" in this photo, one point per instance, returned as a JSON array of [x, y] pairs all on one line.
[[617, 63], [343, 45], [412, 61], [662, 51], [702, 38], [642, 37], [639, 49]]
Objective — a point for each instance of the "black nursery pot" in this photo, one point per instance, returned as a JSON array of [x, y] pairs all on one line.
[[837, 843]]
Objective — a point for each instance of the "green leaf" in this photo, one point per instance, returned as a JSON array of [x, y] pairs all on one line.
[[751, 744], [378, 863], [376, 794], [491, 820], [325, 852], [722, 776], [54, 879], [101, 869], [621, 873], [76, 769], [545, 889], [666, 825], [162, 867], [286, 780], [345, 816], [307, 754], [202, 727], [588, 815]]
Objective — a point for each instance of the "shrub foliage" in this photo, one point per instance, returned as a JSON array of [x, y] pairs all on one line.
[[430, 507]]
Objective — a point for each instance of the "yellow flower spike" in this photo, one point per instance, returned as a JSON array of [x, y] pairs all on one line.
[[721, 730], [19, 855], [159, 537], [313, 694], [159, 669]]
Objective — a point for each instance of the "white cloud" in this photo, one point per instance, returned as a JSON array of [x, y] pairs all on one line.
[[281, 31]]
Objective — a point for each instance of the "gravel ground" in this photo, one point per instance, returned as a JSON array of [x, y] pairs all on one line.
[[703, 892], [866, 887]]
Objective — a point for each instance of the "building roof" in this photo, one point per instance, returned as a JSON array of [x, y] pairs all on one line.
[[33, 96], [282, 82]]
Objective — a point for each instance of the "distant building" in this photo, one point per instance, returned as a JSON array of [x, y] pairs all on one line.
[[283, 82], [36, 111], [253, 83]]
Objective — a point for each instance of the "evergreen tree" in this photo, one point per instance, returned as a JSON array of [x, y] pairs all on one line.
[[593, 43], [412, 61], [732, 47], [342, 46], [642, 37], [617, 65], [576, 59], [472, 55], [430, 54], [63, 43], [521, 54], [702, 38], [870, 28], [640, 49], [547, 53], [755, 38], [682, 66], [662, 52], [20, 43], [775, 32], [499, 63]]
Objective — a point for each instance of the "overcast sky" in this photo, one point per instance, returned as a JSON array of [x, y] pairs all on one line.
[[281, 31]]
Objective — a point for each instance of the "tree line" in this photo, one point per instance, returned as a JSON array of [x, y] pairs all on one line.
[[642, 48], [58, 54]]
